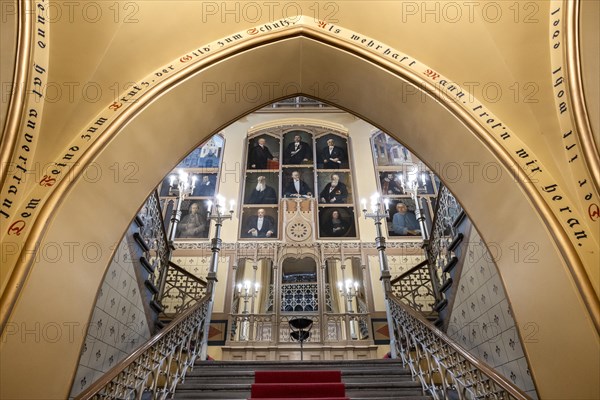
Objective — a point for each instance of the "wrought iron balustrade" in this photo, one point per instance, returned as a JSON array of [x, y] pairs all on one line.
[[152, 233], [447, 213], [444, 368], [181, 290], [299, 297], [414, 287], [421, 286], [154, 370]]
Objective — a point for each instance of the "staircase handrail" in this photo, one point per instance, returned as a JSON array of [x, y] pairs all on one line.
[[157, 365], [157, 240], [436, 224], [432, 355], [439, 225]]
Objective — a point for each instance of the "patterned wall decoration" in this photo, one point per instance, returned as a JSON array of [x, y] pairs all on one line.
[[399, 264], [481, 319], [118, 325], [197, 266]]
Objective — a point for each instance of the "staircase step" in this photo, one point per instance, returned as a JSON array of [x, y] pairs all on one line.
[[382, 379], [216, 387], [297, 376], [211, 395], [308, 390], [301, 398], [394, 397]]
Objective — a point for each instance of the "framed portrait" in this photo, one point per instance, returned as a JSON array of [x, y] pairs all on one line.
[[334, 187], [206, 156], [388, 151], [298, 182], [395, 183], [403, 220], [192, 160], [205, 185], [261, 188], [211, 152], [193, 223], [297, 148], [336, 222], [332, 152], [263, 152], [259, 223], [392, 183]]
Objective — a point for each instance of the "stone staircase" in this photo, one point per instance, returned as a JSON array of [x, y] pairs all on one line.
[[364, 379]]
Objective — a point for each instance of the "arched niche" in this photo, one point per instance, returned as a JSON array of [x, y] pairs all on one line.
[[299, 285], [252, 287], [347, 285]]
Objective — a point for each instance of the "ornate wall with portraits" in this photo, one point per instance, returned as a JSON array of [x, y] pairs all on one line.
[[298, 162]]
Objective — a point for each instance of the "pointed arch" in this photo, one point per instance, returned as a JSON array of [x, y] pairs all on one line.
[[311, 57]]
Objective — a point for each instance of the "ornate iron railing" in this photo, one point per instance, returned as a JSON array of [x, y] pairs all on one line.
[[447, 212], [153, 234], [421, 287], [181, 290], [299, 297], [414, 287], [444, 369], [154, 370]]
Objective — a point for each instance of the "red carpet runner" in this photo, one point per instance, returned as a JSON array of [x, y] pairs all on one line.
[[291, 385]]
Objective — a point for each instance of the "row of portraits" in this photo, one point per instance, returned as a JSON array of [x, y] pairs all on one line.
[[297, 147], [263, 222], [264, 187], [331, 187]]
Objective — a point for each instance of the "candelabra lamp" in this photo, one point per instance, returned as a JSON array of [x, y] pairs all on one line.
[[181, 185], [411, 186], [247, 292], [216, 213], [378, 214], [349, 290]]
